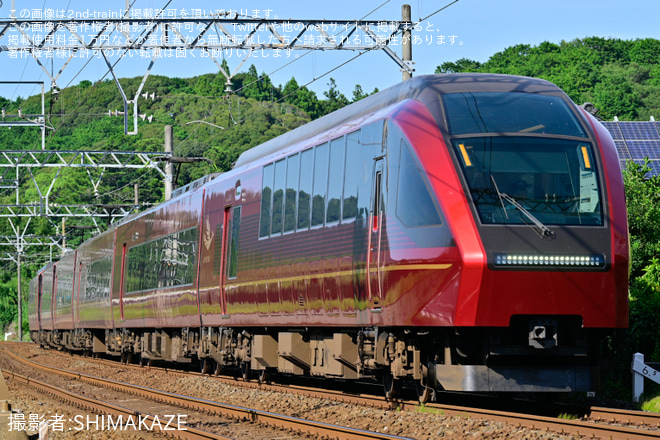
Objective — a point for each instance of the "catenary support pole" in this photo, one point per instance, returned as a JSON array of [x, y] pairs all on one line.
[[20, 300], [168, 166], [136, 194], [406, 45]]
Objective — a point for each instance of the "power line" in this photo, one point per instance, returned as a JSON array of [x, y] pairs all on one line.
[[106, 73], [377, 8], [439, 10], [261, 78], [286, 96]]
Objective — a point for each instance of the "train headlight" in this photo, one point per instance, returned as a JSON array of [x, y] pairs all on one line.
[[527, 260]]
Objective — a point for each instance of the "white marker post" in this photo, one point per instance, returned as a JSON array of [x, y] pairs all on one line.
[[640, 371]]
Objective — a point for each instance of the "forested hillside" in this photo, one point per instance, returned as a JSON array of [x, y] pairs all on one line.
[[620, 77], [83, 117]]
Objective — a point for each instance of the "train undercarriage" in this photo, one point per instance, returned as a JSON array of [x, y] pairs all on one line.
[[532, 355]]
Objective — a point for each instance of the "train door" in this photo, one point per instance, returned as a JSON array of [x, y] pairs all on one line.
[[122, 286], [53, 298], [40, 291], [75, 285], [229, 257], [374, 252], [80, 268]]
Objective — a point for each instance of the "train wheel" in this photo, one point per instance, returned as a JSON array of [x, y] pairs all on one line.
[[391, 385], [205, 365], [424, 392], [126, 357], [262, 376], [245, 371], [217, 368], [144, 361]]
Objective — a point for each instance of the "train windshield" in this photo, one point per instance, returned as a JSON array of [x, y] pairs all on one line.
[[496, 112], [551, 180]]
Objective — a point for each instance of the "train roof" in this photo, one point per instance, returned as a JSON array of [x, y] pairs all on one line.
[[426, 88]]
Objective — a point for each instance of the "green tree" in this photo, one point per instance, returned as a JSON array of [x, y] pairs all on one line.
[[643, 204], [334, 99], [461, 65], [359, 94], [619, 77], [301, 97]]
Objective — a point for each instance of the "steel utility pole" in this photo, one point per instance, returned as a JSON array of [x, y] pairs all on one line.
[[20, 301], [406, 43], [168, 165]]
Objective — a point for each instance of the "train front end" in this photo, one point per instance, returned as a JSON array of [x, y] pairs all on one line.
[[542, 234]]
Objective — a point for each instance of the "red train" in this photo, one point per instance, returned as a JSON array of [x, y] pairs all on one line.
[[465, 231]]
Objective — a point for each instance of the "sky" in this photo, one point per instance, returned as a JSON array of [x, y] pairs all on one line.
[[474, 29]]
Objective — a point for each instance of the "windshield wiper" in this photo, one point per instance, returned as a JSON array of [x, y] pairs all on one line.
[[544, 231]]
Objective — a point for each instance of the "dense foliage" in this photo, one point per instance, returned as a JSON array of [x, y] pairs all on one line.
[[643, 202], [620, 77]]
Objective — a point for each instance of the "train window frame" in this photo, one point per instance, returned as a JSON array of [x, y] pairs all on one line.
[[266, 203], [351, 177], [320, 182], [150, 248], [538, 175], [314, 168], [511, 112], [336, 164], [233, 243], [64, 288], [308, 154], [293, 174], [277, 209], [94, 278], [416, 171]]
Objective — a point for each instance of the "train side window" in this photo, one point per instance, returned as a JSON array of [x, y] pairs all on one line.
[[292, 177], [415, 206], [305, 190], [165, 262], [266, 200], [132, 269], [232, 262], [320, 184], [336, 179], [98, 279], [217, 251], [278, 197], [352, 176]]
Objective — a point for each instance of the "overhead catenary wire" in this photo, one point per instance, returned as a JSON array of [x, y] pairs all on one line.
[[439, 10], [251, 115], [91, 89], [261, 78]]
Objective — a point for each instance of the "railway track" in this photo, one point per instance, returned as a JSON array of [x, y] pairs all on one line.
[[124, 416], [598, 423], [286, 424]]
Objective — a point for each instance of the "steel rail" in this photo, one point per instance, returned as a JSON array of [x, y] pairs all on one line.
[[324, 430], [99, 406], [590, 427], [612, 415], [580, 428]]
